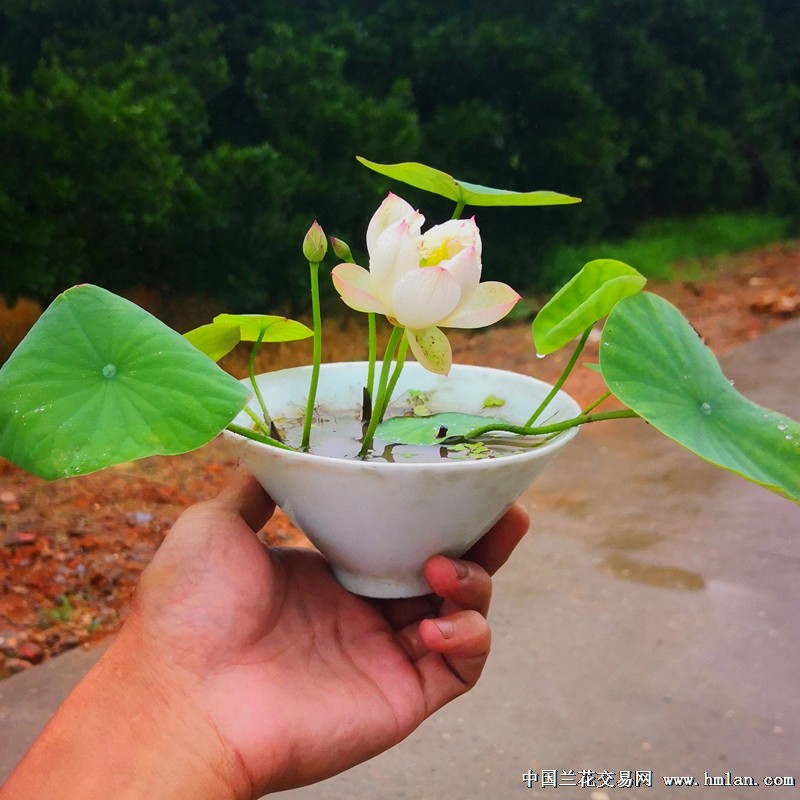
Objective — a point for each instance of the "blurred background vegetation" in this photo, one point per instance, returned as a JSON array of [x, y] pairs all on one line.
[[187, 145]]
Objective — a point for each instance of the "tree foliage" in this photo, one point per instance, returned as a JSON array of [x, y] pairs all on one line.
[[190, 143]]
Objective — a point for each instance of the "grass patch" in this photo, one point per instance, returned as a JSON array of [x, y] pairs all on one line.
[[657, 246]]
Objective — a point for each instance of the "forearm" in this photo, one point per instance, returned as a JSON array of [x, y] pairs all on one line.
[[126, 732]]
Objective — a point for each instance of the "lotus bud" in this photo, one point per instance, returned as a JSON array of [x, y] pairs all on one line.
[[315, 245], [342, 250]]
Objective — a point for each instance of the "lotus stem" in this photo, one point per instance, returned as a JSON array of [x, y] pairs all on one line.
[[257, 436], [398, 368], [597, 402], [391, 348], [254, 383], [373, 352], [544, 430], [367, 405], [258, 422], [317, 358], [564, 375]]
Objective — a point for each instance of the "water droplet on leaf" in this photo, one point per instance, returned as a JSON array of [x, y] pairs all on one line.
[[705, 409], [109, 371]]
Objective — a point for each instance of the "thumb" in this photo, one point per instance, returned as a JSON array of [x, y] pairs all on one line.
[[244, 496]]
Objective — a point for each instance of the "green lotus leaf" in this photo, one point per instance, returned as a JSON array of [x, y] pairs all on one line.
[[426, 430], [98, 381], [218, 338], [654, 362], [216, 341], [582, 301], [276, 329], [469, 194]]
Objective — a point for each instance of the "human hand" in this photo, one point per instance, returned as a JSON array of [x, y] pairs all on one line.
[[261, 669]]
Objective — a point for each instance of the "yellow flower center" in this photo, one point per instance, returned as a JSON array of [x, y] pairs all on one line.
[[446, 249]]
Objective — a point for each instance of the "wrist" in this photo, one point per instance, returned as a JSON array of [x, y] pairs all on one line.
[[131, 729]]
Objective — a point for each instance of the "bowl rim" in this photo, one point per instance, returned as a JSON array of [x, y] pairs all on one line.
[[550, 447]]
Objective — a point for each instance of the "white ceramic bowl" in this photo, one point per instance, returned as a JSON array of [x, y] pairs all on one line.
[[376, 522]]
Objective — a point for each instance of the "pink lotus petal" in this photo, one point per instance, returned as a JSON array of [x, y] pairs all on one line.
[[455, 235], [490, 302], [395, 253], [354, 285], [465, 267], [432, 349], [423, 297], [391, 210]]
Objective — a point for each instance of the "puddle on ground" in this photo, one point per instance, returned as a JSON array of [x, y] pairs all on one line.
[[622, 566], [664, 577], [631, 540]]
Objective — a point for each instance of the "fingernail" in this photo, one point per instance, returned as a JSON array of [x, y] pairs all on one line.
[[446, 628], [461, 569]]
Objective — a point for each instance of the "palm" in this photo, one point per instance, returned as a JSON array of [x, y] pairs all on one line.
[[270, 635]]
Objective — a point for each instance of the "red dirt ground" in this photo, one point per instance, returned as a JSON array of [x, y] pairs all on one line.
[[71, 551]]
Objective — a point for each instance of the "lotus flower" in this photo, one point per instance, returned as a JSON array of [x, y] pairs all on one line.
[[423, 281]]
